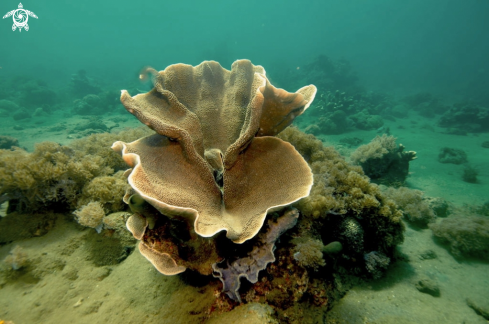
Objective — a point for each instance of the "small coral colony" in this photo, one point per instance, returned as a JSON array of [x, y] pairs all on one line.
[[222, 187]]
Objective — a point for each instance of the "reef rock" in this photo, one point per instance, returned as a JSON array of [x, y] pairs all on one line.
[[383, 160]]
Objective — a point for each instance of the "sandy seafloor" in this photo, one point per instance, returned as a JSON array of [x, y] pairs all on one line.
[[73, 290]]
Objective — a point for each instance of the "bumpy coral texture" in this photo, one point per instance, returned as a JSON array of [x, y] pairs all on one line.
[[342, 194], [359, 225], [108, 190], [376, 263], [308, 253], [379, 146], [416, 210], [90, 215], [214, 160]]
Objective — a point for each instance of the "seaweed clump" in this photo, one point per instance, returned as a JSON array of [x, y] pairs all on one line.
[[416, 210], [91, 215], [62, 178]]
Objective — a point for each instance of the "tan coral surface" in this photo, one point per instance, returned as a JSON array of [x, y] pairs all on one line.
[[206, 119]]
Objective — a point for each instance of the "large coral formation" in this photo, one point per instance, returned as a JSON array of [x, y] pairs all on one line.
[[383, 161], [345, 227], [222, 168]]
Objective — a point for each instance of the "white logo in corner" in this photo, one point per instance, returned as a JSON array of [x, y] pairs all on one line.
[[20, 17]]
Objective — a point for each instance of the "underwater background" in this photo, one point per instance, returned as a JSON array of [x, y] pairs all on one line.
[[389, 75]]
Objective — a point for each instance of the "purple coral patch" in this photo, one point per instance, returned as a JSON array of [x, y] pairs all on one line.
[[248, 267]]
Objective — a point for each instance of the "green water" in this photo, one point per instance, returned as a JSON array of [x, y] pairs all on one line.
[[408, 67]]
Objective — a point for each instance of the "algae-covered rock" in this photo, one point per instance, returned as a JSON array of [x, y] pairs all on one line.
[[7, 142], [466, 116], [383, 160], [89, 105], [8, 106], [466, 236], [376, 263], [481, 307], [21, 114], [470, 174], [452, 155], [440, 206], [428, 286]]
